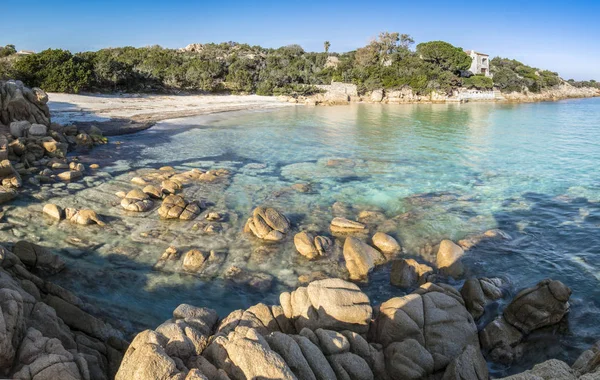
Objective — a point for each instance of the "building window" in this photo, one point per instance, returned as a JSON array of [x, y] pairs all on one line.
[[484, 60]]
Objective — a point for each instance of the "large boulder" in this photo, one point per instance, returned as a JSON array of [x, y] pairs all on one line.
[[268, 224], [360, 258], [449, 258], [332, 304], [425, 330], [542, 305]]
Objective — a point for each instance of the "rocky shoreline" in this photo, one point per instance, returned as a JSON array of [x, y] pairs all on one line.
[[444, 329]]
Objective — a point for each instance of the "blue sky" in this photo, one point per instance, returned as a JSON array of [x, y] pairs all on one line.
[[555, 35]]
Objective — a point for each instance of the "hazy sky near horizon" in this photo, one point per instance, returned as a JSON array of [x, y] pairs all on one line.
[[551, 34]]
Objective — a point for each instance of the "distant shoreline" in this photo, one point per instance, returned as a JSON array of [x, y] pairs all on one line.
[[119, 114]]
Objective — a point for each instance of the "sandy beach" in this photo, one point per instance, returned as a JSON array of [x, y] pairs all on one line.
[[121, 114]]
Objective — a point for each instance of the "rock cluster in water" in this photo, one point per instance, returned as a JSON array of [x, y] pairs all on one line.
[[329, 330]]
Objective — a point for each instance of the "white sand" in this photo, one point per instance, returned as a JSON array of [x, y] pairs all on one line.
[[67, 108]]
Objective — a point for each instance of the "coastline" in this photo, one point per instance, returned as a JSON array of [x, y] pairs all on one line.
[[129, 113], [119, 114]]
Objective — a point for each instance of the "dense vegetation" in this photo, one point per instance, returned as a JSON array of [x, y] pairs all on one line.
[[388, 62]]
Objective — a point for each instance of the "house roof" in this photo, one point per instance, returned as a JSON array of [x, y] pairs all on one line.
[[476, 52]]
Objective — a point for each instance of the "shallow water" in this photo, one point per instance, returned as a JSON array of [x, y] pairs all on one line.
[[529, 169]]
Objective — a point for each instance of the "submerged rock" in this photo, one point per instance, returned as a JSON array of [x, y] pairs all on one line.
[[83, 217], [346, 226]]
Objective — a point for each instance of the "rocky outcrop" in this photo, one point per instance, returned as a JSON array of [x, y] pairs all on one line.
[[45, 331], [323, 331], [268, 224], [19, 103], [542, 305], [84, 217]]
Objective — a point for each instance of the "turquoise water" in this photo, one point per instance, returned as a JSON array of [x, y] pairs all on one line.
[[438, 171]]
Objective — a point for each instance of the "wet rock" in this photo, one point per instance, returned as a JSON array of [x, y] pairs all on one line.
[[267, 224], [94, 166], [542, 305], [7, 195], [360, 258], [258, 280], [193, 260], [153, 192], [311, 246], [386, 244], [477, 293], [35, 256], [332, 304], [407, 273], [83, 217], [175, 207], [137, 200], [77, 166], [10, 177], [501, 341], [84, 140], [449, 258], [53, 211], [70, 175], [214, 217], [139, 181], [346, 226], [471, 241], [170, 186]]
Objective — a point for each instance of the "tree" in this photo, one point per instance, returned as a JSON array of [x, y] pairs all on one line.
[[327, 45], [444, 55], [7, 50]]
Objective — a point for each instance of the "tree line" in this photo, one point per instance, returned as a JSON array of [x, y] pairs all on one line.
[[390, 61]]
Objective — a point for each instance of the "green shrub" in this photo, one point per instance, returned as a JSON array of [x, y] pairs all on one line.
[[480, 82]]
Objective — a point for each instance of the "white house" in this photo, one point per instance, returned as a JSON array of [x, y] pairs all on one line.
[[480, 64]]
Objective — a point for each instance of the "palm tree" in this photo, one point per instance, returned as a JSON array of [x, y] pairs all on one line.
[[327, 46]]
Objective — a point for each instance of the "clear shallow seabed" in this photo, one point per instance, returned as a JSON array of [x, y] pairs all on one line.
[[530, 170]]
